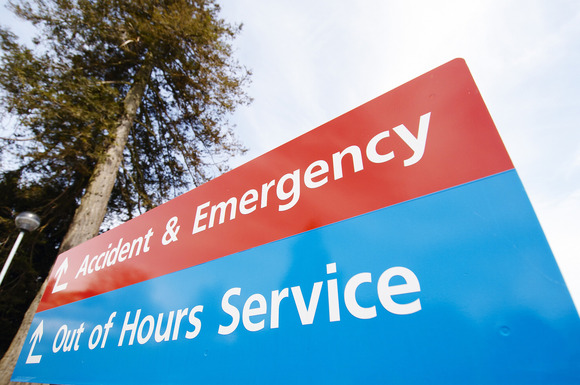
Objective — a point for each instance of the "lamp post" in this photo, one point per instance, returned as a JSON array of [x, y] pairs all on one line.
[[25, 221]]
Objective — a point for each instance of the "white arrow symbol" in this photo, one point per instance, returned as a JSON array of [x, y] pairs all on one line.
[[61, 270], [36, 336]]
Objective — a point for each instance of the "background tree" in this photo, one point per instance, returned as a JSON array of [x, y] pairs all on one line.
[[120, 105]]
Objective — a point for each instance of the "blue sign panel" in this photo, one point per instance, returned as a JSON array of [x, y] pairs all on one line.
[[458, 286]]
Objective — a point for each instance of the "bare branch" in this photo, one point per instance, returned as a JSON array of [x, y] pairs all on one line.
[[19, 139]]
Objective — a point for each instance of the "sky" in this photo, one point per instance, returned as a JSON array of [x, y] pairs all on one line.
[[315, 60]]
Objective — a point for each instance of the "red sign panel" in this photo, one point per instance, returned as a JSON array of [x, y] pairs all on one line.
[[405, 144]]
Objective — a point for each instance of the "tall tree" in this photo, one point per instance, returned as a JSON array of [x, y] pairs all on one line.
[[125, 100]]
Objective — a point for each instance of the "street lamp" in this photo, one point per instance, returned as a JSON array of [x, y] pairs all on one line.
[[25, 221]]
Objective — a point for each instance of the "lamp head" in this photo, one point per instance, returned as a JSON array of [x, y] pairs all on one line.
[[27, 221]]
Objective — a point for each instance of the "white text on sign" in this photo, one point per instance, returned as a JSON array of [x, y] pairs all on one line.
[[316, 175]]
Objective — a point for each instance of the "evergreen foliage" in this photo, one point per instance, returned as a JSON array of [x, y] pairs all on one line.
[[68, 92]]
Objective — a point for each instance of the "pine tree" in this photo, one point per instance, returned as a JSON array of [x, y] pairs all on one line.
[[123, 104]]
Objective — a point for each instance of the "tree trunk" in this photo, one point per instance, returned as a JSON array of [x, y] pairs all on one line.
[[91, 212]]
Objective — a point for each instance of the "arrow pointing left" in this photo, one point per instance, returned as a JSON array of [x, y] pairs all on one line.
[[36, 336]]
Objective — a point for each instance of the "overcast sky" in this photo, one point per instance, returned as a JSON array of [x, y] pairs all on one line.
[[315, 60]]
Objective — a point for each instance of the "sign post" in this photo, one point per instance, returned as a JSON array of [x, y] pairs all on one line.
[[393, 244]]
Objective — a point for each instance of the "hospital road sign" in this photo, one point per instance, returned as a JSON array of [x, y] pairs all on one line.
[[393, 244]]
